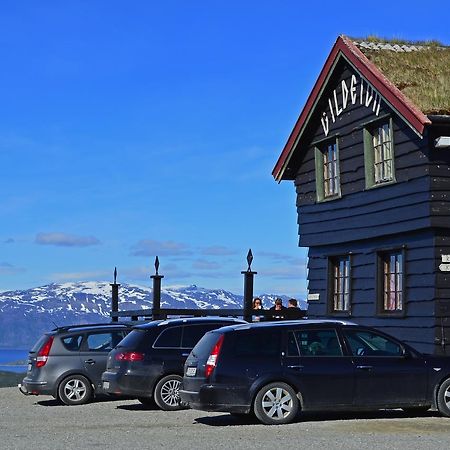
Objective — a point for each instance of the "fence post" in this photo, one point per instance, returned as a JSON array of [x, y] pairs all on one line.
[[248, 288], [115, 296], [156, 307]]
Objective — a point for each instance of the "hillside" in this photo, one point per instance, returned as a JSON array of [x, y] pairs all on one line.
[[26, 314]]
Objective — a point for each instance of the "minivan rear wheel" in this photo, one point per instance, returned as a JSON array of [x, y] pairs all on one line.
[[75, 390], [276, 403], [167, 393]]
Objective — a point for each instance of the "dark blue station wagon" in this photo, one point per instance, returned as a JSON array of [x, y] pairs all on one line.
[[275, 370]]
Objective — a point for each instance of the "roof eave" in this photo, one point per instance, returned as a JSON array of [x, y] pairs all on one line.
[[416, 119]]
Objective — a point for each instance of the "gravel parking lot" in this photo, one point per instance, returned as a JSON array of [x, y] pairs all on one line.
[[40, 422]]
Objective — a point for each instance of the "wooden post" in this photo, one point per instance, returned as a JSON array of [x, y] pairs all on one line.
[[115, 296], [156, 307], [248, 288]]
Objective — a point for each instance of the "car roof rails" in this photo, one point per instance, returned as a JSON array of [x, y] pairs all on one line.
[[88, 325]]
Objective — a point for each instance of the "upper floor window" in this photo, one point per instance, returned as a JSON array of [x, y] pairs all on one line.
[[379, 154], [339, 287], [327, 171], [391, 284]]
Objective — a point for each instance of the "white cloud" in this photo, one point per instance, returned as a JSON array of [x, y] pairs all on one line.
[[150, 247], [65, 240], [203, 264], [98, 275], [9, 269], [218, 250]]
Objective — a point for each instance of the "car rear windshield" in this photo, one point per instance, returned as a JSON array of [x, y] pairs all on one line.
[[205, 345], [132, 339]]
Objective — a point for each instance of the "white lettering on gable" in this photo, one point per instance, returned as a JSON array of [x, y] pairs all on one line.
[[338, 102], [353, 84]]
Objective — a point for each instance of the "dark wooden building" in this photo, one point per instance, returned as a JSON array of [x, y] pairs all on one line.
[[370, 159]]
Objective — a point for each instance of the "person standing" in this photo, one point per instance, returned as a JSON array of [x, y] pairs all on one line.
[[257, 303], [278, 305]]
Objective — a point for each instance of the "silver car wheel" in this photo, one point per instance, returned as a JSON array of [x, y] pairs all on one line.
[[443, 398], [277, 403], [446, 397], [167, 393], [75, 390], [170, 392]]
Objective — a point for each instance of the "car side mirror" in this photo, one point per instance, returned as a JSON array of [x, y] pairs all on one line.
[[406, 354]]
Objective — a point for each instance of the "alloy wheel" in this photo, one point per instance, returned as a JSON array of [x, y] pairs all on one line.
[[170, 392], [277, 403], [75, 390]]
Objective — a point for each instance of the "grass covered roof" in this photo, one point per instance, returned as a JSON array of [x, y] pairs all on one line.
[[421, 70]]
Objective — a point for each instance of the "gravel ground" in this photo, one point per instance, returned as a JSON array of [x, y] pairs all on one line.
[[40, 422]]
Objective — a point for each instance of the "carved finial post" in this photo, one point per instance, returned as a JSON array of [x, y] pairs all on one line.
[[248, 287], [115, 297], [156, 307]]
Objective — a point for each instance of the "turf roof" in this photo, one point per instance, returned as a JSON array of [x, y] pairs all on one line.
[[421, 70]]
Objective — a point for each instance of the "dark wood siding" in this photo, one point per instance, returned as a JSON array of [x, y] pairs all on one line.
[[412, 213], [360, 214], [442, 305], [440, 179], [418, 327]]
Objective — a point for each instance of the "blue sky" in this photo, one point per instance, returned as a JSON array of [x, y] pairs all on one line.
[[135, 129]]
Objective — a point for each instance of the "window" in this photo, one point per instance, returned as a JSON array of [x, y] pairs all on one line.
[[379, 154], [368, 343], [327, 171], [169, 338], [72, 343], [258, 344], [390, 282], [339, 284], [104, 342], [193, 333], [317, 343]]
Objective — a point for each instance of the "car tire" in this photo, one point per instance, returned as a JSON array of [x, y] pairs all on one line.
[[443, 398], [167, 395], [75, 390], [276, 403]]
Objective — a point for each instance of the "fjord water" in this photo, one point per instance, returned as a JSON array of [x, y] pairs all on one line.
[[8, 358]]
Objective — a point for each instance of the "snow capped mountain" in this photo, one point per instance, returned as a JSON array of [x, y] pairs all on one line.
[[26, 314]]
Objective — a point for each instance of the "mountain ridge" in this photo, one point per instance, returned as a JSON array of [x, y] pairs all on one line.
[[26, 314]]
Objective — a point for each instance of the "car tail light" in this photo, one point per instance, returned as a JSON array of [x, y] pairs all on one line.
[[211, 363], [43, 353], [129, 356]]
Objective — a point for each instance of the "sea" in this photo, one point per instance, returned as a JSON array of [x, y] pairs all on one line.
[[13, 360]]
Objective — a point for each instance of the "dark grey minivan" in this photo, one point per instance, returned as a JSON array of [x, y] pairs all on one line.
[[68, 362]]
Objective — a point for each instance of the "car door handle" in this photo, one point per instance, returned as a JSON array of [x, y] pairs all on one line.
[[185, 354], [90, 361], [364, 367], [298, 367]]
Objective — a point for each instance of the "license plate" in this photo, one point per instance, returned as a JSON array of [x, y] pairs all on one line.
[[29, 368], [191, 371], [106, 385]]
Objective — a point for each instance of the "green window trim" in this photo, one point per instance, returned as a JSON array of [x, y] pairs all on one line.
[[320, 152], [369, 154]]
